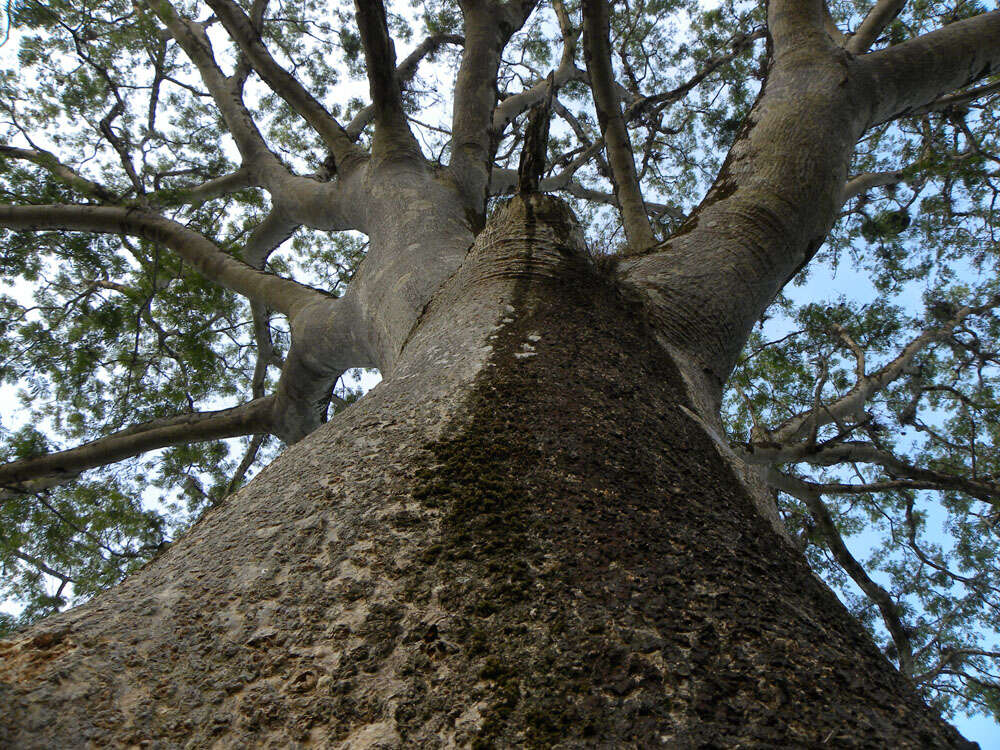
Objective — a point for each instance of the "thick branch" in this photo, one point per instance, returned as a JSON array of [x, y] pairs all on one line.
[[267, 237], [597, 51], [404, 73], [880, 16], [960, 99], [797, 24], [488, 28], [247, 37], [34, 474], [865, 181], [281, 294], [392, 130], [907, 76], [780, 188], [206, 191]]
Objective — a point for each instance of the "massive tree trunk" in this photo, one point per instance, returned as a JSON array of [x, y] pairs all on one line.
[[522, 537]]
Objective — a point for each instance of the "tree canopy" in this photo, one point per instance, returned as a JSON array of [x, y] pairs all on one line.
[[148, 146]]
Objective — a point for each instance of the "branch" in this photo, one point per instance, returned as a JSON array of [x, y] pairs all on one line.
[[34, 474], [248, 458], [267, 237], [857, 452], [405, 72], [329, 337], [473, 140], [206, 191], [225, 92], [797, 24], [32, 560], [653, 209], [284, 295], [658, 101], [512, 106], [960, 99], [865, 181], [887, 607], [597, 51], [392, 130], [880, 16], [952, 658], [213, 188], [832, 30], [584, 137], [64, 173], [851, 402], [121, 148], [536, 141], [247, 37], [504, 181], [911, 75]]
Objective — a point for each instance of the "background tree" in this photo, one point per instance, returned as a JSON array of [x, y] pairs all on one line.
[[205, 234]]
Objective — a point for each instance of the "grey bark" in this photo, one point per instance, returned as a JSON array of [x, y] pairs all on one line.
[[42, 472], [597, 51], [532, 531], [440, 567]]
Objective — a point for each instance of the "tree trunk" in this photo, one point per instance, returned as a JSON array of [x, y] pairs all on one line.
[[521, 538]]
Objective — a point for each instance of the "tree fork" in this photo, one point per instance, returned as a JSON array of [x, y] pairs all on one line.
[[517, 539]]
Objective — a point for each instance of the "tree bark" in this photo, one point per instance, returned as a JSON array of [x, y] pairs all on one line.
[[521, 538]]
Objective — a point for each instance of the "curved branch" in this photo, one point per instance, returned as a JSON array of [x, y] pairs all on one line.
[[206, 191], [327, 339], [887, 607], [597, 51], [880, 16], [34, 474], [797, 427], [64, 173], [284, 295], [865, 181]]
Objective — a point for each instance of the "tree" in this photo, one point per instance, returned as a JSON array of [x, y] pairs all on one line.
[[536, 530]]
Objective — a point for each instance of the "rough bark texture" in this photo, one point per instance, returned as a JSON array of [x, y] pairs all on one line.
[[519, 539]]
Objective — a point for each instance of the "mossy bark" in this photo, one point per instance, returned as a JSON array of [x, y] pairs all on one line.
[[519, 539]]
